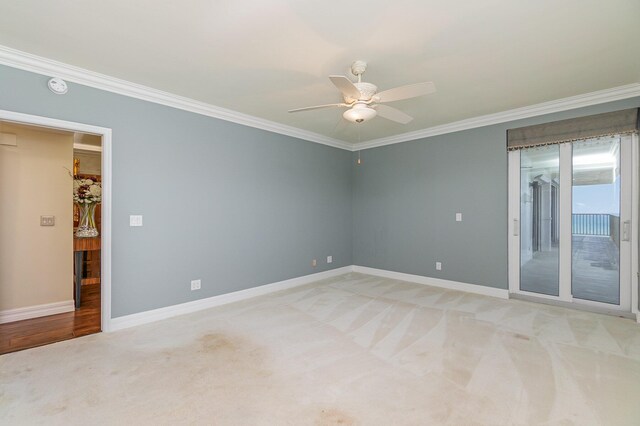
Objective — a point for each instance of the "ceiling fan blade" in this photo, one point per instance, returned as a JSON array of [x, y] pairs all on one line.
[[406, 92], [317, 107], [345, 86], [393, 114]]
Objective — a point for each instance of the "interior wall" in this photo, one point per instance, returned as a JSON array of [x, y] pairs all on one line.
[[406, 196], [240, 207], [234, 206], [36, 262]]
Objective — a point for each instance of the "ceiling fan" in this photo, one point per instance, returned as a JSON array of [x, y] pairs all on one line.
[[365, 102]]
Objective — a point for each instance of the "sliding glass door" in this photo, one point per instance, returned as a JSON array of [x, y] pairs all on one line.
[[570, 221], [595, 217], [539, 189]]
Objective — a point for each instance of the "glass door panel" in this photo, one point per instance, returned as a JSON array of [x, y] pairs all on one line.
[[572, 221], [539, 220], [595, 254]]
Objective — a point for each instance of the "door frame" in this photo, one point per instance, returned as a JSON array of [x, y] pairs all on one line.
[[635, 234], [513, 251], [105, 133]]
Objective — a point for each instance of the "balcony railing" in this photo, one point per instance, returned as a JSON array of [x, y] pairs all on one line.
[[592, 224]]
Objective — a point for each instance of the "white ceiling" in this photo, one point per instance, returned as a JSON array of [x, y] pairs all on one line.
[[265, 57]]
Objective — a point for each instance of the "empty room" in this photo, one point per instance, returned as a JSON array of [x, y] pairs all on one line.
[[319, 213]]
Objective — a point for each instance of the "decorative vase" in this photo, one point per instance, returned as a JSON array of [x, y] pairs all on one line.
[[87, 223]]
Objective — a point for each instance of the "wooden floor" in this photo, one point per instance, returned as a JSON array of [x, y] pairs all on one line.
[[595, 270], [30, 333]]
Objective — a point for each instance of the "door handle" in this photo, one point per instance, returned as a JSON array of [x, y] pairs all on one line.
[[626, 225], [516, 228]]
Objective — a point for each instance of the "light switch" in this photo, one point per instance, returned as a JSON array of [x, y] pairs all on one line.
[[458, 217], [135, 220], [47, 221]]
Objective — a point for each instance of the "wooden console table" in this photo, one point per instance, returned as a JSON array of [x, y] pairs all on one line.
[[80, 246]]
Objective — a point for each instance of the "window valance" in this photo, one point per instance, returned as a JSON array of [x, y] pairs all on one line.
[[593, 126]]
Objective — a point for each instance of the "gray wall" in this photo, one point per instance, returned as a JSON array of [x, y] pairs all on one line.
[[235, 206], [240, 207], [406, 196]]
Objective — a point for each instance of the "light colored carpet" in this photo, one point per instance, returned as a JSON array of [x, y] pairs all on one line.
[[354, 349]]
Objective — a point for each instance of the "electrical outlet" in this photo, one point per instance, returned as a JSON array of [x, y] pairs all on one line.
[[314, 263], [47, 221], [196, 284], [458, 217], [438, 266], [329, 259], [135, 220]]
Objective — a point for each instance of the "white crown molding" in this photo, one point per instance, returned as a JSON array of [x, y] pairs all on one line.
[[36, 311], [40, 65], [579, 101]]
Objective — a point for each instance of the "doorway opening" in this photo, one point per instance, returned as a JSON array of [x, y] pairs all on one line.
[[54, 281]]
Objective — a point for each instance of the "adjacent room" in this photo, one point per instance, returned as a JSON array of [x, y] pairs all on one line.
[[49, 263], [280, 213]]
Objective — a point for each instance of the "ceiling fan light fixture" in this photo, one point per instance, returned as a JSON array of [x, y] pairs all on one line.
[[365, 102], [359, 113]]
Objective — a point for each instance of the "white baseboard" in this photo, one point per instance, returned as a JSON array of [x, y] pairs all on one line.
[[132, 320], [12, 315], [435, 282]]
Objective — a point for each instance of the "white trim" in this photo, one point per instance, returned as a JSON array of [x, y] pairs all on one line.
[[635, 202], [540, 296], [602, 305], [626, 215], [40, 65], [210, 302], [36, 311], [105, 223], [565, 201], [105, 278], [87, 147], [435, 282], [599, 308], [565, 104], [513, 223]]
